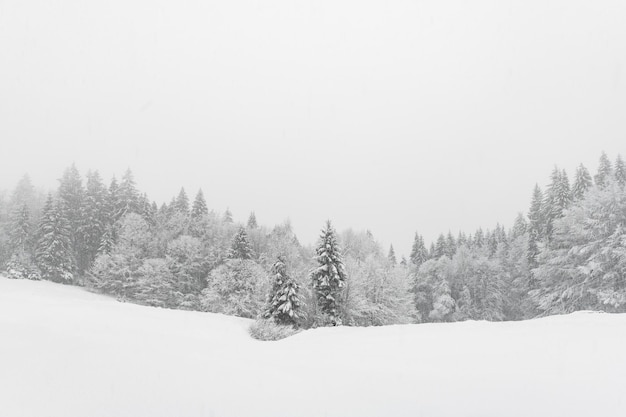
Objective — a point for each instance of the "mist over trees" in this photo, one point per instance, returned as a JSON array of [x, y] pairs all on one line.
[[566, 252]]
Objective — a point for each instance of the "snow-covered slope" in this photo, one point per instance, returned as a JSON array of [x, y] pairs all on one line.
[[68, 353]]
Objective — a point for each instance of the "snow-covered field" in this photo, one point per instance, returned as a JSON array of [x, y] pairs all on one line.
[[65, 352]]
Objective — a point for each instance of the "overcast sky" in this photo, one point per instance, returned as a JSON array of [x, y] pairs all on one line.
[[396, 116]]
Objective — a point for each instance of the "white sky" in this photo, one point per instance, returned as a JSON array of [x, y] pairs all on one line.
[[394, 116]]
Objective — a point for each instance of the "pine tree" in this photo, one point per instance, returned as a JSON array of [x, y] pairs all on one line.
[[113, 201], [461, 240], [284, 302], [520, 226], [391, 257], [558, 197], [94, 217], [403, 262], [19, 230], [605, 171], [252, 224], [241, 248], [71, 196], [147, 210], [199, 207], [329, 276], [228, 216], [451, 245], [419, 253], [535, 225], [127, 196], [479, 238], [582, 182], [182, 202], [440, 246], [620, 171], [24, 192], [53, 252]]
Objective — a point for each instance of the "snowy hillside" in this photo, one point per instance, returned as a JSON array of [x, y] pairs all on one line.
[[65, 352]]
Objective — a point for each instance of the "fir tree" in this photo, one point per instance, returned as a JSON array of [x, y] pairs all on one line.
[[199, 207], [241, 248], [582, 182], [181, 204], [252, 224], [113, 201], [461, 240], [535, 225], [329, 276], [557, 199], [451, 245], [403, 262], [24, 192], [391, 256], [71, 196], [228, 216], [605, 171], [94, 217], [440, 246], [620, 171], [520, 226], [127, 196], [479, 238], [19, 230], [284, 302], [53, 252], [419, 253]]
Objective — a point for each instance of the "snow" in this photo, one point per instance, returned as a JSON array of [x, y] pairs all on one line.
[[66, 352]]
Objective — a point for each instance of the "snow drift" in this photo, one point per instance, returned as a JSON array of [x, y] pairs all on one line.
[[66, 352]]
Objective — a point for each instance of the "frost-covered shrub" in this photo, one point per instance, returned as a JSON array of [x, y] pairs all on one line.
[[268, 330], [21, 266], [235, 288]]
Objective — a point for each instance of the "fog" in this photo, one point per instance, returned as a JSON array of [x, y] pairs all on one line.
[[399, 117]]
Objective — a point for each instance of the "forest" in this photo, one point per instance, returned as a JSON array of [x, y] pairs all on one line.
[[565, 252]]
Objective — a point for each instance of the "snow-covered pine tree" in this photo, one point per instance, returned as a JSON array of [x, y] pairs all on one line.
[[479, 238], [228, 216], [147, 210], [241, 248], [535, 225], [94, 216], [620, 171], [582, 183], [440, 246], [252, 224], [419, 253], [21, 265], [113, 201], [284, 303], [127, 196], [24, 193], [451, 245], [71, 197], [461, 240], [53, 252], [391, 256], [199, 207], [605, 171], [19, 230], [182, 202], [519, 227], [329, 277], [558, 197]]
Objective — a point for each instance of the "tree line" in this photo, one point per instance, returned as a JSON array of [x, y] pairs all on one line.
[[567, 253]]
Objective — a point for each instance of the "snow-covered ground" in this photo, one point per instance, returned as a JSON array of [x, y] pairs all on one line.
[[65, 352]]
